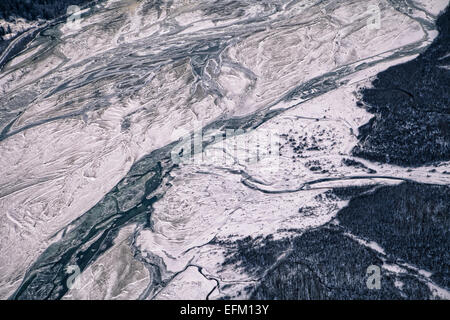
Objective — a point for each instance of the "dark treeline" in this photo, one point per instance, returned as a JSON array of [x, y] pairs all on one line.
[[409, 221], [411, 103], [36, 9], [30, 10]]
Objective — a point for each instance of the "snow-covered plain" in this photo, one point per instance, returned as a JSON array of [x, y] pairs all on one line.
[[81, 106]]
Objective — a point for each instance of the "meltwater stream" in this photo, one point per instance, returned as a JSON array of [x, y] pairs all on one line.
[[93, 114]]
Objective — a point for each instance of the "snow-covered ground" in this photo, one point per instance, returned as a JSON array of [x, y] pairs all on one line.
[[80, 111]]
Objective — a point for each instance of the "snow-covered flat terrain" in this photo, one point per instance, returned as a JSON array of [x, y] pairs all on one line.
[[97, 169]]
